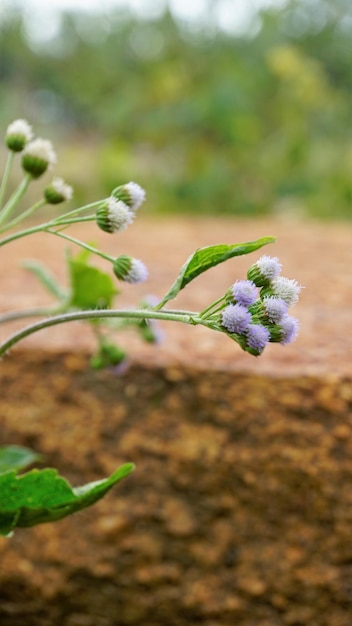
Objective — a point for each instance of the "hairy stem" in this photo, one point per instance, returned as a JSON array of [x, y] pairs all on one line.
[[80, 243], [12, 316], [46, 227], [96, 314]]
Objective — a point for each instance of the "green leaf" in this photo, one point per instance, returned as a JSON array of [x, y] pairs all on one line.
[[41, 496], [210, 256], [46, 278], [16, 458], [91, 288]]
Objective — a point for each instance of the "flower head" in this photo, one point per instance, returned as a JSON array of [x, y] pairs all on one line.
[[287, 289], [275, 308], [258, 337], [289, 327], [131, 194], [58, 191], [235, 318], [244, 292], [130, 270], [114, 216], [18, 134], [38, 156], [264, 270]]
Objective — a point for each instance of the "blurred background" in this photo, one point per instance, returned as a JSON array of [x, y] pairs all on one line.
[[238, 107]]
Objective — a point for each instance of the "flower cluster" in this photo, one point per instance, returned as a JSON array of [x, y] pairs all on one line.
[[112, 214], [256, 309], [38, 156]]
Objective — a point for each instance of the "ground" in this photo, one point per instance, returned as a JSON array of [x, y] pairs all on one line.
[[239, 510]]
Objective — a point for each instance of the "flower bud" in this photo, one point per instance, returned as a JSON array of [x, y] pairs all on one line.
[[235, 318], [287, 289], [258, 337], [243, 292], [18, 134], [130, 270], [264, 271], [58, 192], [285, 331], [38, 156], [114, 216], [131, 194]]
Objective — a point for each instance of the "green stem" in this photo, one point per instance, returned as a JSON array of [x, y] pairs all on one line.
[[80, 243], [23, 215], [12, 316], [209, 310], [6, 176], [23, 233], [96, 314], [15, 198], [39, 228], [73, 220], [86, 207]]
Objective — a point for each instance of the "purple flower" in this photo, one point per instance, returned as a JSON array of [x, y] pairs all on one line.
[[257, 337], [275, 308], [244, 292], [289, 326], [235, 318]]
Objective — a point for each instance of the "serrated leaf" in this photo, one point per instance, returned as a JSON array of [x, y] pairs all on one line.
[[210, 256], [42, 496], [16, 458], [46, 278], [91, 288]]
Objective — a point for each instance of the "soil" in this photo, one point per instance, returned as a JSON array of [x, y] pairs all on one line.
[[240, 507]]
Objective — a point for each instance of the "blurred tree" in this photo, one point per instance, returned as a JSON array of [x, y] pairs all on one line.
[[206, 120]]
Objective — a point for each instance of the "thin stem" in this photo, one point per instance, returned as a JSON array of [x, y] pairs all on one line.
[[73, 220], [86, 207], [213, 312], [80, 243], [23, 215], [209, 310], [15, 198], [12, 316], [96, 314], [23, 233], [6, 176], [37, 229]]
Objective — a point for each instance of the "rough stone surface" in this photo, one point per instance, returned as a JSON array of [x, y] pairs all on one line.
[[240, 509]]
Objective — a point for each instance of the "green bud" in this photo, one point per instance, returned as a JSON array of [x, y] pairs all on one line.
[[18, 134]]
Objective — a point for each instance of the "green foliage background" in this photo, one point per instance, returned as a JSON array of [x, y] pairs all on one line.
[[208, 122]]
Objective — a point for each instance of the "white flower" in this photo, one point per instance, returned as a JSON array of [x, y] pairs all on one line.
[[114, 216], [42, 149], [58, 191], [269, 266], [130, 270], [38, 156], [131, 193], [137, 273], [136, 193], [287, 289], [18, 134], [20, 127], [264, 270]]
